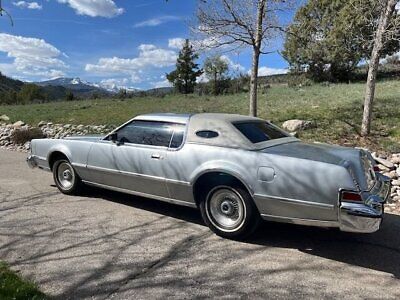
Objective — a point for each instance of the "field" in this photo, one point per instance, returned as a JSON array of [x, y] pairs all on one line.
[[337, 109]]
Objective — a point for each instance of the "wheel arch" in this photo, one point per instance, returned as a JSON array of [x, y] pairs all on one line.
[[54, 156], [208, 179]]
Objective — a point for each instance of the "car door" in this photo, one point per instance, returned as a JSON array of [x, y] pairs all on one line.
[[140, 154]]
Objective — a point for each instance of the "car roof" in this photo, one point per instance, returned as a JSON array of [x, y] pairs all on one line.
[[165, 117], [184, 118]]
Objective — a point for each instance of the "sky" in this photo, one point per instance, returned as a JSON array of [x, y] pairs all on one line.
[[126, 43]]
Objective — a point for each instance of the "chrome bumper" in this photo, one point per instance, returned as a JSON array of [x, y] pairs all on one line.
[[365, 217], [30, 160]]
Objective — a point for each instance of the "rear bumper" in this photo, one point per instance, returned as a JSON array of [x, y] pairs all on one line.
[[365, 217]]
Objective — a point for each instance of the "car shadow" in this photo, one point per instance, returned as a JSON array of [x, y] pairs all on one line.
[[378, 251]]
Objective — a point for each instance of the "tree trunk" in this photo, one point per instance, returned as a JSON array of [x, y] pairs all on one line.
[[256, 57], [387, 12], [253, 83]]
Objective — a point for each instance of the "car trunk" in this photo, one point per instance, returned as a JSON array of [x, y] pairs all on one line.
[[357, 161]]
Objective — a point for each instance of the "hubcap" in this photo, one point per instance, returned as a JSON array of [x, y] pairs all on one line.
[[225, 209], [65, 175]]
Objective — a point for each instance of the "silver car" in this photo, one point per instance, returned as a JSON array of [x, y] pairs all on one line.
[[236, 169]]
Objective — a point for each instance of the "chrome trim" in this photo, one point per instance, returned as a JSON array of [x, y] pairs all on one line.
[[138, 175], [297, 201], [299, 221], [30, 160], [79, 165], [117, 189]]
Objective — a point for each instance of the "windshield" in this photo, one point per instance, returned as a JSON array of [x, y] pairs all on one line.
[[257, 132]]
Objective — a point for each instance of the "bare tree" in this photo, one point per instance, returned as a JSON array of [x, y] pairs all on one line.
[[2, 10], [239, 23], [385, 31]]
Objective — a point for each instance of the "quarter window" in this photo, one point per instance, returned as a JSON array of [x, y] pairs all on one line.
[[177, 138]]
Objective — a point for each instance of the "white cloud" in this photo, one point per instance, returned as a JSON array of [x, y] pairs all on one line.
[[176, 43], [94, 8], [28, 5], [32, 57], [161, 84], [265, 71], [149, 57], [156, 21], [235, 67]]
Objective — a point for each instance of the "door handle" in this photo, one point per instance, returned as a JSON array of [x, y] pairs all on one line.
[[156, 156]]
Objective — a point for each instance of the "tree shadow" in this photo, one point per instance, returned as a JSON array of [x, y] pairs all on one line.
[[377, 251]]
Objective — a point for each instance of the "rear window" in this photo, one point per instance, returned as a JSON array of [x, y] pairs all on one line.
[[257, 132]]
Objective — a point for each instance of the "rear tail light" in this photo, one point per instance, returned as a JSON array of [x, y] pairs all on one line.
[[351, 196]]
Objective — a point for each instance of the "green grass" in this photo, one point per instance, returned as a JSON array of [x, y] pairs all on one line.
[[15, 288], [337, 109]]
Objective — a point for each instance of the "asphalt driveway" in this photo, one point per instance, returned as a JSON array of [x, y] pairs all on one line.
[[109, 245]]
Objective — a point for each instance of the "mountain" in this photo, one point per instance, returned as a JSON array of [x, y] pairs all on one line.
[[77, 86], [83, 88], [8, 84]]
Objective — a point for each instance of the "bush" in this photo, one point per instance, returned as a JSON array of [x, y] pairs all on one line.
[[21, 136]]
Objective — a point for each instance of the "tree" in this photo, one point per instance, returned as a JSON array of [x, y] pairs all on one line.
[[187, 70], [69, 96], [30, 93], [385, 32], [215, 69], [251, 23], [327, 38]]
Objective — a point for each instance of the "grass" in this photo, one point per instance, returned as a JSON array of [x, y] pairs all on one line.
[[15, 288], [336, 108]]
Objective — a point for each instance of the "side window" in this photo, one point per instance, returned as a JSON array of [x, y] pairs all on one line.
[[146, 133], [177, 138]]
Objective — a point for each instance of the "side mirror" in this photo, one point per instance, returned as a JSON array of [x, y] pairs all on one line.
[[113, 137]]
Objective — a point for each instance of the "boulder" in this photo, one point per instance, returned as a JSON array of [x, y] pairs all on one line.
[[18, 124], [4, 118], [42, 123], [297, 125], [385, 162]]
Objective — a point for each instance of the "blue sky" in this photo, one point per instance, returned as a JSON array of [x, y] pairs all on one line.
[[129, 43]]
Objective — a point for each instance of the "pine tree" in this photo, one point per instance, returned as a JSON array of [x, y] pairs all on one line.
[[187, 70]]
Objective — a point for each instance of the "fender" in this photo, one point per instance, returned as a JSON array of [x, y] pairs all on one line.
[[223, 166]]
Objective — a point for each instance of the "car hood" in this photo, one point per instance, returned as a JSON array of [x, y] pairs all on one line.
[[88, 138], [317, 151]]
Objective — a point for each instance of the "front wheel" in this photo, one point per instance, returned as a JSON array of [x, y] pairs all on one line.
[[65, 177], [230, 212]]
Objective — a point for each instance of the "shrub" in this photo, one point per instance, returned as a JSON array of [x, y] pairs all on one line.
[[21, 136]]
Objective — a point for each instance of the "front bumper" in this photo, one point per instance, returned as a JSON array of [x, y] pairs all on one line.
[[365, 217], [30, 160]]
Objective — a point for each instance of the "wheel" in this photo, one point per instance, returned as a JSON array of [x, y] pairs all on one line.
[[230, 212], [65, 177]]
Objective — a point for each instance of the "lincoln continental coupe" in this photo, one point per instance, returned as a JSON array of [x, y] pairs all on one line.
[[236, 169]]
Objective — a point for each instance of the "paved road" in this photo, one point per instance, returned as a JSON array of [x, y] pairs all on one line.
[[106, 245]]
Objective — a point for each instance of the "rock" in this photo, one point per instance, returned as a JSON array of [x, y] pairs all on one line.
[[41, 124], [383, 168], [385, 162], [398, 172], [395, 160], [396, 182], [296, 125], [294, 134], [18, 124], [4, 118]]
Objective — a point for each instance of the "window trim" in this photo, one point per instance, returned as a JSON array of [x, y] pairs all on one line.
[[171, 124]]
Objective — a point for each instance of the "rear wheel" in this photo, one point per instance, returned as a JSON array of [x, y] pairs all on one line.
[[230, 212], [65, 177]]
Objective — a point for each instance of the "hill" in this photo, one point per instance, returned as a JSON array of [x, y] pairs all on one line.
[[336, 108]]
